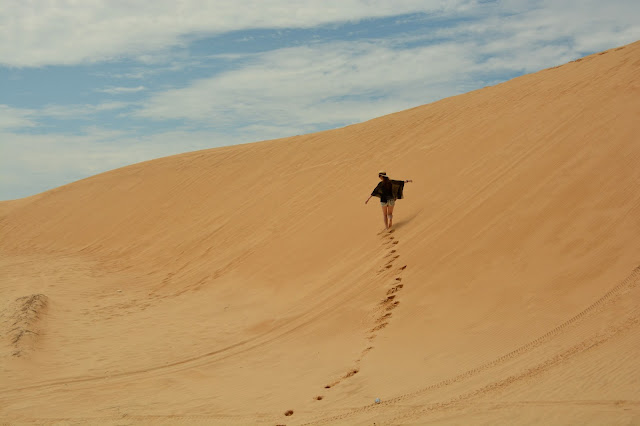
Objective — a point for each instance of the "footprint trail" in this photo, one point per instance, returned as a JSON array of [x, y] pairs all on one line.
[[382, 314]]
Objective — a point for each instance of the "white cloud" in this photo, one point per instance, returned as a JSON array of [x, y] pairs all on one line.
[[15, 118], [34, 163], [121, 90], [21, 118], [344, 82], [280, 92], [337, 82], [98, 30], [137, 74], [582, 25], [79, 110]]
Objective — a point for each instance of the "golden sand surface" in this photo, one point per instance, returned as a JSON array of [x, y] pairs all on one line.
[[250, 284]]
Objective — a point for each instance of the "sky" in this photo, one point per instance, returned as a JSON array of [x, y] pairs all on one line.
[[89, 86]]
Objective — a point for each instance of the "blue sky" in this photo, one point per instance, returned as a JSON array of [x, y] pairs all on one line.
[[90, 86]]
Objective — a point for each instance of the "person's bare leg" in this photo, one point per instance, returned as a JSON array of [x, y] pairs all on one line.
[[384, 214], [390, 215]]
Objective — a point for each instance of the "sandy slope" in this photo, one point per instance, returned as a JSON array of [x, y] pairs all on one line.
[[230, 285]]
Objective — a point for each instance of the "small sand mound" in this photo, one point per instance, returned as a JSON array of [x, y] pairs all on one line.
[[21, 323]]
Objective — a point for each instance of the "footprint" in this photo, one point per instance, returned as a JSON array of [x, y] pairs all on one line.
[[318, 398], [393, 306], [364, 352], [389, 266], [395, 242], [351, 373], [403, 268], [398, 279], [384, 317], [288, 413], [395, 289], [379, 327], [388, 301]]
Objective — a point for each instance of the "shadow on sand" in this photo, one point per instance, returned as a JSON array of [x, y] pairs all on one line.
[[405, 220]]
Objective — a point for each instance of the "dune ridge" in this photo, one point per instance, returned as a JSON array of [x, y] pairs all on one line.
[[249, 284]]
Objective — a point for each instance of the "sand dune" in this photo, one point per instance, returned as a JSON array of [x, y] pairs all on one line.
[[249, 284]]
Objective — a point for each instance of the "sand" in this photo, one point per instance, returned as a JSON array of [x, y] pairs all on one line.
[[250, 284]]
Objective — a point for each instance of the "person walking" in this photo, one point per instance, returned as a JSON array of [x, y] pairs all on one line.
[[388, 191]]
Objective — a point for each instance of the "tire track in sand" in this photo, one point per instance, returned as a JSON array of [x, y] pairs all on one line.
[[319, 309], [630, 283]]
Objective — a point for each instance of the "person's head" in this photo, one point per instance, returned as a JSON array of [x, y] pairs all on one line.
[[383, 176]]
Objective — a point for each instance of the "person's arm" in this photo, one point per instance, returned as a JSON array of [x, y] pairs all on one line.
[[374, 192]]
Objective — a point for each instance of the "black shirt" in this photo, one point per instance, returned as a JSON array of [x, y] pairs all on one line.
[[384, 191]]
